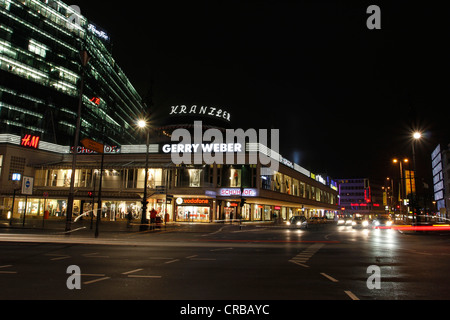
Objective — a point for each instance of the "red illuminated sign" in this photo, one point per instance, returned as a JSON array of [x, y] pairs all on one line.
[[95, 100], [30, 141]]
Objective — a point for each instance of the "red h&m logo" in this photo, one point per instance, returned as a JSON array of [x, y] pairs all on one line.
[[30, 141]]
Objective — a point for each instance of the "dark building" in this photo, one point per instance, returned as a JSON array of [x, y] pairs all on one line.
[[40, 76], [361, 196]]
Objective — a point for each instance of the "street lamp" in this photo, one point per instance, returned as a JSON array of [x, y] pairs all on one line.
[[144, 126], [416, 137]]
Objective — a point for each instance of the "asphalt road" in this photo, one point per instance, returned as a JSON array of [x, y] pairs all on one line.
[[226, 263]]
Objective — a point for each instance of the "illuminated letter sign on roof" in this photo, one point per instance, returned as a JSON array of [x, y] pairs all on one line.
[[30, 141]]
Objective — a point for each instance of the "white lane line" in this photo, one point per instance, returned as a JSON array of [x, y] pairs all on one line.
[[190, 257], [94, 255], [96, 280], [132, 271], [92, 275], [7, 272], [150, 277], [300, 264], [168, 262], [58, 257], [351, 295], [203, 259], [329, 277]]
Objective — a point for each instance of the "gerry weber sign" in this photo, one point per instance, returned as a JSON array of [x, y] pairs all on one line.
[[199, 111]]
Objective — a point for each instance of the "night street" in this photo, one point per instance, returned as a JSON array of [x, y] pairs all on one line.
[[227, 262]]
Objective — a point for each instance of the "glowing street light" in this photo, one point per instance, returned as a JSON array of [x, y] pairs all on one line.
[[417, 135]]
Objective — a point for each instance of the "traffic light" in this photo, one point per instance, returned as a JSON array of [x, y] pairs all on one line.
[[243, 201], [90, 194]]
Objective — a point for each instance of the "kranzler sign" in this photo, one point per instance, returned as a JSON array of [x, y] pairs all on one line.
[[214, 112]]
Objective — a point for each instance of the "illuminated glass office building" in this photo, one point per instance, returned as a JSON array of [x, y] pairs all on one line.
[[40, 76]]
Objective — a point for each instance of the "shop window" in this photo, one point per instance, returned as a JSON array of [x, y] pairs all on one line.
[[278, 182], [287, 185]]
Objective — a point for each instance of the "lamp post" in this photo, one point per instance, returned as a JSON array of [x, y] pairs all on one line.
[[84, 56], [416, 137], [143, 125]]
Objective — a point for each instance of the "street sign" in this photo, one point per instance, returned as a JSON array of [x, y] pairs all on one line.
[[27, 186], [93, 145]]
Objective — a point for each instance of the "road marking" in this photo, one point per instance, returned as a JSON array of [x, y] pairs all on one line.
[[168, 262], [58, 257], [96, 280], [92, 275], [7, 272], [150, 277], [214, 250], [94, 255], [203, 259], [158, 258], [300, 264], [190, 257], [351, 295], [132, 271], [329, 277], [306, 255]]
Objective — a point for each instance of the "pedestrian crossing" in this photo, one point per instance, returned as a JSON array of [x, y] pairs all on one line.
[[302, 258]]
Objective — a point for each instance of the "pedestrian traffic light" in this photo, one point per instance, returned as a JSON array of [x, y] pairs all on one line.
[[90, 194]]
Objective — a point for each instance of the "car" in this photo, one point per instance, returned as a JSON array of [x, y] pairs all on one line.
[[382, 223], [297, 222], [344, 221], [360, 222]]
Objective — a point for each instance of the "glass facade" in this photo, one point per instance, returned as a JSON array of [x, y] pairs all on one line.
[[285, 184], [40, 73]]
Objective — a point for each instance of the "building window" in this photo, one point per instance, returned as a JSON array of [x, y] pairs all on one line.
[[37, 48], [195, 178]]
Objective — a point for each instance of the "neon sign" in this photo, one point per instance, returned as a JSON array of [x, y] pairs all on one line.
[[195, 110], [181, 201], [229, 192], [99, 33], [30, 141], [95, 100]]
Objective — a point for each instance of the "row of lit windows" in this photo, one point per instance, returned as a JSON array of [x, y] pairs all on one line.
[[288, 185]]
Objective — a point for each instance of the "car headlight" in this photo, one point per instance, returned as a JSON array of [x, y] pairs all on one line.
[[365, 223], [353, 223], [288, 223], [377, 223], [299, 223], [389, 223]]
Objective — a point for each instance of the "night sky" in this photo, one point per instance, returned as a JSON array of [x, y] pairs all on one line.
[[344, 97]]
